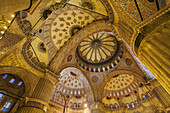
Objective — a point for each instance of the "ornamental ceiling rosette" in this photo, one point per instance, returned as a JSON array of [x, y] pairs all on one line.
[[99, 52]]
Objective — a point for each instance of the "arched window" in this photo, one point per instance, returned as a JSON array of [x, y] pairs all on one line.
[[75, 105], [116, 106], [19, 83], [1, 96], [12, 80], [7, 106], [5, 76], [144, 98], [128, 106], [111, 106], [53, 96], [133, 105], [137, 103], [79, 105], [13, 86]]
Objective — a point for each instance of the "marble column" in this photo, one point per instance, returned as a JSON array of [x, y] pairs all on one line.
[[154, 52], [38, 102]]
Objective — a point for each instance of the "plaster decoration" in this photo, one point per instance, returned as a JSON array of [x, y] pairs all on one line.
[[96, 51], [94, 79], [94, 5], [58, 97], [13, 59], [64, 23], [98, 47], [72, 82], [120, 85], [69, 82], [76, 39], [119, 82], [124, 14], [88, 4], [30, 50], [130, 8], [128, 61], [69, 58], [130, 99], [77, 102], [150, 5], [108, 102], [9, 42]]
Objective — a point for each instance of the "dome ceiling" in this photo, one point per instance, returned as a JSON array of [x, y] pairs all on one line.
[[97, 48], [121, 84], [70, 83], [99, 52], [63, 23]]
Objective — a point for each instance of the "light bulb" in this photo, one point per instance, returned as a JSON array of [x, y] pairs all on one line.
[[5, 27], [12, 15], [9, 21]]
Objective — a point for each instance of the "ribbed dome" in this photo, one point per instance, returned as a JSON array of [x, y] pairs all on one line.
[[99, 52], [98, 47]]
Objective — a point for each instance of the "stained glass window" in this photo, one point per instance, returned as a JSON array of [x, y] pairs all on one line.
[[116, 106], [133, 105], [75, 105], [5, 76], [7, 106], [12, 80], [20, 83], [1, 96]]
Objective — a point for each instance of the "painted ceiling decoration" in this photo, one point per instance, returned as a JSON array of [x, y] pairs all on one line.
[[35, 54], [124, 91], [64, 23], [77, 102], [74, 84], [146, 8], [69, 83], [94, 5], [28, 21], [120, 85], [95, 52]]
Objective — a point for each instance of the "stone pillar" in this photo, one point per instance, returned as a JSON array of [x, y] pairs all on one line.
[[151, 43], [154, 52], [11, 6], [97, 108], [162, 96], [38, 102]]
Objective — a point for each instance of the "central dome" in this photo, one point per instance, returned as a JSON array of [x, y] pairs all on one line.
[[97, 52], [98, 48]]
